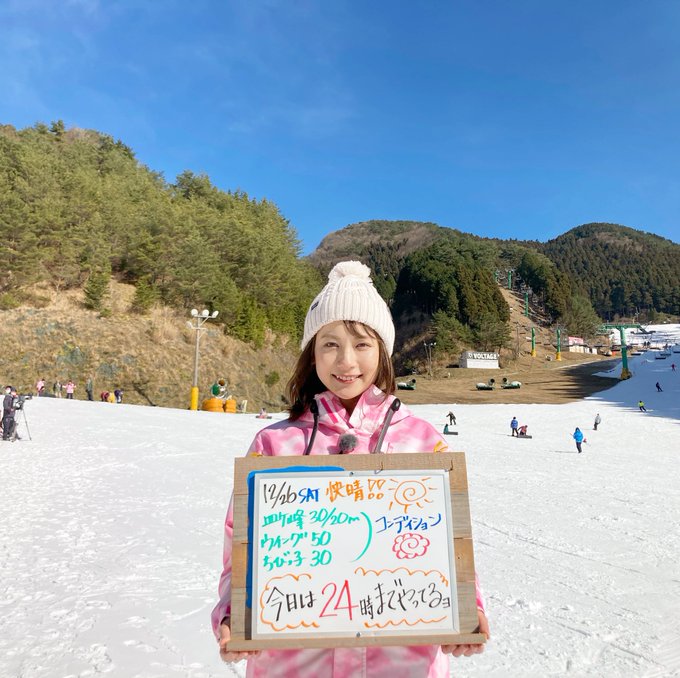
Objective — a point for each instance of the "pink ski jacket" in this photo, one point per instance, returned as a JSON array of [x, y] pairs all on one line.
[[406, 433]]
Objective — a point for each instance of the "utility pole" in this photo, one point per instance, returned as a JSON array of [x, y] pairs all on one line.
[[428, 353], [199, 319]]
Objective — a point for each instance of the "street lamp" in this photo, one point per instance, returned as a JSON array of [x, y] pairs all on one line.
[[428, 352], [199, 319]]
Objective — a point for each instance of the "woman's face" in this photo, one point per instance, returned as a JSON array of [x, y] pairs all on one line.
[[346, 363]]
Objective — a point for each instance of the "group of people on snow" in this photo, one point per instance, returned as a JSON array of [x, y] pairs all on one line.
[[58, 388], [115, 396], [517, 430], [69, 388]]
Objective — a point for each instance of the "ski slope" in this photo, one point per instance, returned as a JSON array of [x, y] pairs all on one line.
[[111, 521]]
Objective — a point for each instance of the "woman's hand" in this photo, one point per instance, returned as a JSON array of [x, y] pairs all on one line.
[[225, 637], [469, 650]]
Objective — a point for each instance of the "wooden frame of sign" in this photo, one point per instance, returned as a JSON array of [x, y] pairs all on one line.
[[452, 462]]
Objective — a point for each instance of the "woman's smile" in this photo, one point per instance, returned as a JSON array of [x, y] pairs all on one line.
[[346, 362]]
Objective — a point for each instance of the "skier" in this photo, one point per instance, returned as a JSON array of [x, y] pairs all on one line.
[[641, 405], [598, 420], [514, 425], [578, 437], [658, 387]]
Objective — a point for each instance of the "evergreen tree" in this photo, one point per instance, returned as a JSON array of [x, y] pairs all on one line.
[[145, 296], [95, 289], [580, 318], [491, 334]]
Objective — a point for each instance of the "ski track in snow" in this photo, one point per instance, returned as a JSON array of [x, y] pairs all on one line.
[[110, 547]]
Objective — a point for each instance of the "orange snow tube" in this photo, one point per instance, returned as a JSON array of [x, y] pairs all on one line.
[[230, 405], [212, 405]]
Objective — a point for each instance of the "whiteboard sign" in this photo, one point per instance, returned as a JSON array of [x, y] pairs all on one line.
[[351, 554]]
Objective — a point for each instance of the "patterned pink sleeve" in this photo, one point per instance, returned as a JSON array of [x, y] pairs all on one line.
[[223, 607], [480, 595]]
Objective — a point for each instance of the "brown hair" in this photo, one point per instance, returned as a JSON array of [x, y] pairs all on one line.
[[304, 384]]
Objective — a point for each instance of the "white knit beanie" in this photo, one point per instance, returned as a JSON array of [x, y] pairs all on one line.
[[350, 295]]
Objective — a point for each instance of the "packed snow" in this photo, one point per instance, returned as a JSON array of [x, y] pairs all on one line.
[[655, 335], [110, 547]]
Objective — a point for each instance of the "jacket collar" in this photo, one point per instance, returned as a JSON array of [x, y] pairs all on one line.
[[367, 417]]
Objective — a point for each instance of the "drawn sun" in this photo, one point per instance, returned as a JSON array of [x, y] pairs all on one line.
[[411, 492]]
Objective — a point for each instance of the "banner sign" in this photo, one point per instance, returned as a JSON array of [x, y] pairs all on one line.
[[480, 355]]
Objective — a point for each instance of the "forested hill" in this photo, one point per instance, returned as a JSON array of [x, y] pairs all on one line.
[[441, 283], [623, 271], [76, 208], [618, 271]]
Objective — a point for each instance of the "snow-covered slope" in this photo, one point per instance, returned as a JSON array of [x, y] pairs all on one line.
[[656, 335], [111, 520]]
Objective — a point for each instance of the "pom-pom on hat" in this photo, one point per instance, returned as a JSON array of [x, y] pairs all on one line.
[[350, 295]]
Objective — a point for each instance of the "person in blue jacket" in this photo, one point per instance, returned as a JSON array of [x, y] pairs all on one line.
[[578, 437], [514, 425]]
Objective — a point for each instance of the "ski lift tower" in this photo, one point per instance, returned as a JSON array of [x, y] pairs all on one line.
[[622, 327]]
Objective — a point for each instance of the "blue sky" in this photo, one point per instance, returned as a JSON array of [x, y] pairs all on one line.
[[505, 119]]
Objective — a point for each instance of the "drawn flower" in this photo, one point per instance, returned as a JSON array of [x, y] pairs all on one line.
[[410, 545]]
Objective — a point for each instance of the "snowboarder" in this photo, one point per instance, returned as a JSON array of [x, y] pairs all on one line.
[[658, 387], [598, 420], [578, 437], [641, 405], [673, 367], [514, 425], [452, 418], [522, 431]]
